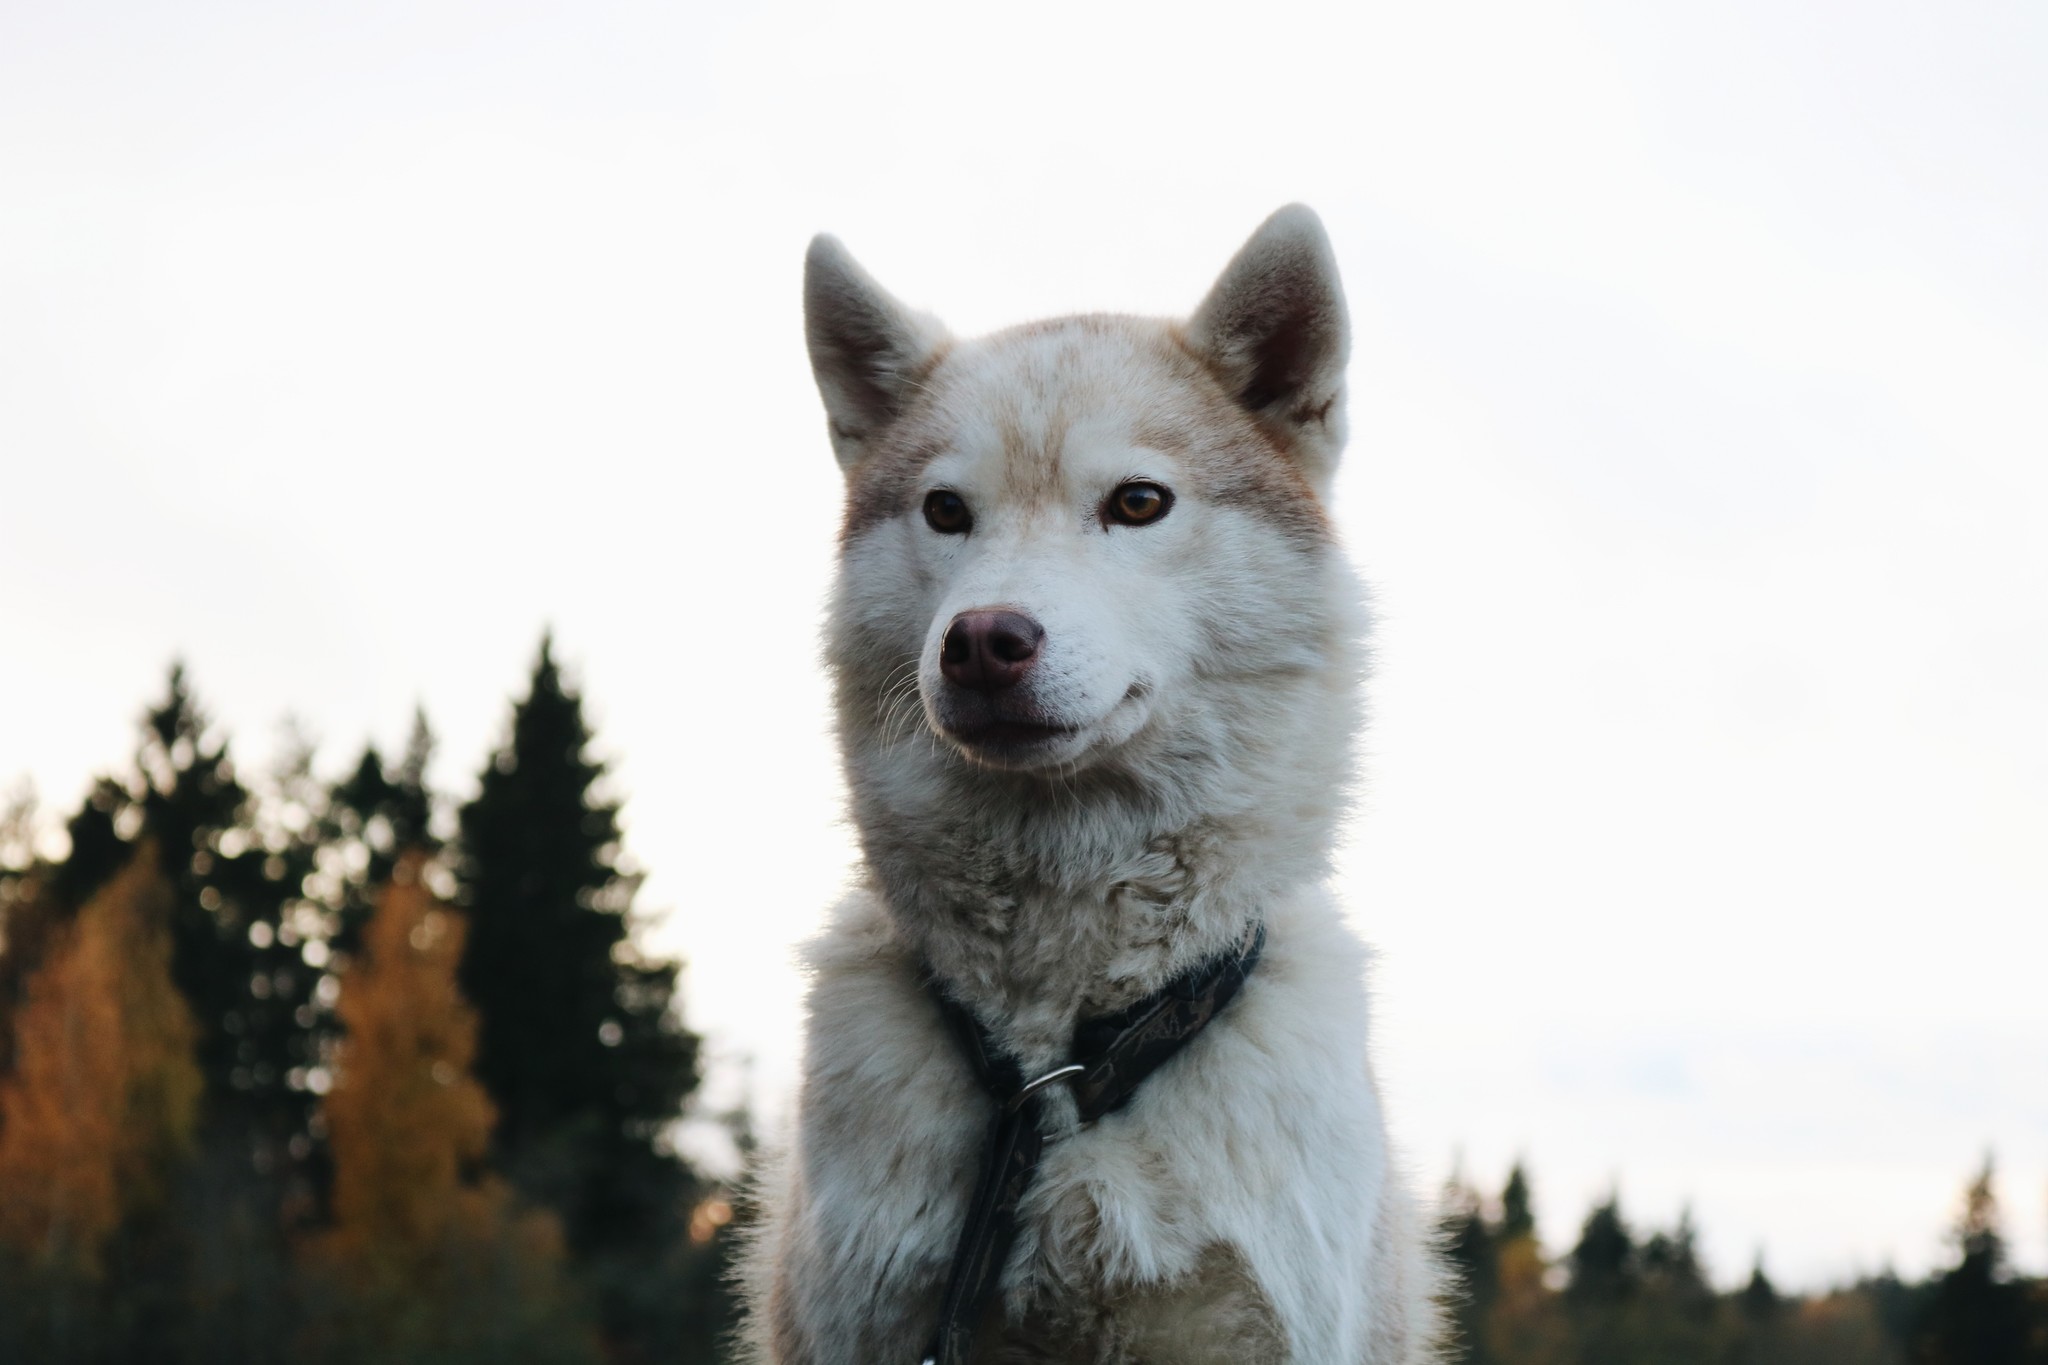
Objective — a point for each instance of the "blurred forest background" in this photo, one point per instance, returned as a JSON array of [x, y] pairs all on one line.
[[287, 1074], [327, 1068]]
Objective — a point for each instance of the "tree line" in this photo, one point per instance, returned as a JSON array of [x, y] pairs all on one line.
[[1620, 1296], [339, 1071], [294, 1069]]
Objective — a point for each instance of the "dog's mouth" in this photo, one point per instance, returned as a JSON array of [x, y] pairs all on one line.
[[1016, 733], [1005, 739]]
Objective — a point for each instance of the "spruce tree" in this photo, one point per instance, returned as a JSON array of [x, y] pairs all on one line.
[[1975, 1314], [376, 816], [1761, 1302], [235, 922], [1604, 1264], [1468, 1242], [579, 1047], [1517, 1219], [1524, 1326], [1670, 1265]]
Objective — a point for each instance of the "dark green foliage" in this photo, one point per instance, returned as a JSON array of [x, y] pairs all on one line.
[[580, 1048], [1468, 1242], [1603, 1264], [97, 848], [1631, 1300], [1516, 1218], [1760, 1301], [374, 817], [1976, 1314]]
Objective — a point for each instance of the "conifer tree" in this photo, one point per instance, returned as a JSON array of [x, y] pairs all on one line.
[[1468, 1242], [430, 1259], [101, 1103], [1601, 1291], [1761, 1302], [1604, 1263], [1975, 1314], [375, 816], [237, 953], [1670, 1267], [581, 1050], [1523, 1325], [1517, 1219]]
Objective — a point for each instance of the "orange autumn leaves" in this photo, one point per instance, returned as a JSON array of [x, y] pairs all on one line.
[[406, 1117], [99, 1109], [414, 1224], [409, 1123], [100, 1105]]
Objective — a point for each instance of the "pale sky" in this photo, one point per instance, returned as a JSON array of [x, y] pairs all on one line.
[[1699, 467]]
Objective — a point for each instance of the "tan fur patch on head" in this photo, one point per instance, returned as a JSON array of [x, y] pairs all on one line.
[[1241, 462], [881, 486], [1032, 384]]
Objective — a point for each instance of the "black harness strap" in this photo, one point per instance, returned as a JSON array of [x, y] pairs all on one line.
[[1111, 1056]]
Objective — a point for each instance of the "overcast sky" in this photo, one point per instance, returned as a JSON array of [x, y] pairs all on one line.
[[1700, 469]]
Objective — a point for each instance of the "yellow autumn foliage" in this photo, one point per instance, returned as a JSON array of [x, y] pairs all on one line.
[[406, 1118], [104, 1093], [1524, 1323], [427, 1258]]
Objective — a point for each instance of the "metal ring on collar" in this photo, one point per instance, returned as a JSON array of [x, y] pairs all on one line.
[[1033, 1087]]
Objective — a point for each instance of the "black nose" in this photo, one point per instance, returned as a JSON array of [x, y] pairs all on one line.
[[989, 650]]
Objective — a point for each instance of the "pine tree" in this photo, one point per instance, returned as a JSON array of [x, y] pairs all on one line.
[[1976, 1314], [375, 816], [1516, 1217], [236, 930], [97, 847], [1524, 1326], [1604, 1276], [1670, 1267], [581, 1049], [1604, 1263], [1469, 1247], [1761, 1302], [426, 1260]]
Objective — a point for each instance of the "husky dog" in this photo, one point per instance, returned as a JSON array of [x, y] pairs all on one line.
[[1097, 657]]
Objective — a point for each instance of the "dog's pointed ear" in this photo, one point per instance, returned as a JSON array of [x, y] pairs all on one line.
[[1274, 331], [868, 350]]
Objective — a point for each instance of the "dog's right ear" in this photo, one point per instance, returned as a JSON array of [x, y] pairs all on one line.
[[868, 351]]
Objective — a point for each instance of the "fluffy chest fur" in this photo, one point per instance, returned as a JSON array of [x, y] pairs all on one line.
[[1239, 1209]]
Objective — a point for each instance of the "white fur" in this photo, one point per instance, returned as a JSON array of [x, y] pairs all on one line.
[[1204, 668]]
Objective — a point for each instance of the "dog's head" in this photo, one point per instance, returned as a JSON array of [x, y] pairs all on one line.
[[1082, 538]]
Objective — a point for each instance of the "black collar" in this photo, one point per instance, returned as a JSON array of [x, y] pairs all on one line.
[[1111, 1056]]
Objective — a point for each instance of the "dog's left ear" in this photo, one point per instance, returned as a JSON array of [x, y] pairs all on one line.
[[1274, 331]]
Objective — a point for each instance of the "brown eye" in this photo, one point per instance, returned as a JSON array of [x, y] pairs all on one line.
[[1138, 504], [946, 511]]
